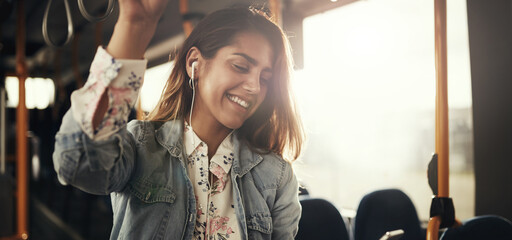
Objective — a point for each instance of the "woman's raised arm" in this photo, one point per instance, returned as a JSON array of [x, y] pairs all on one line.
[[94, 150], [134, 29]]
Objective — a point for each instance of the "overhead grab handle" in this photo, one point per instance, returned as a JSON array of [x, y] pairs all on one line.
[[89, 17], [45, 25]]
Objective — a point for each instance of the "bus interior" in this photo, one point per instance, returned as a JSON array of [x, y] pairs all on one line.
[[405, 106]]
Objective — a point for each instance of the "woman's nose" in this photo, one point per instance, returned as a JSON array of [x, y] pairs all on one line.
[[252, 84]]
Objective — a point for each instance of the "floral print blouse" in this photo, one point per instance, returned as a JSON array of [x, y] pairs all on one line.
[[213, 190], [122, 79]]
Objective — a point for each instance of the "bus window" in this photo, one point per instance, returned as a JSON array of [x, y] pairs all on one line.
[[367, 93]]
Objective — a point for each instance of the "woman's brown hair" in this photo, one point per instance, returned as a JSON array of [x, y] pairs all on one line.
[[275, 126]]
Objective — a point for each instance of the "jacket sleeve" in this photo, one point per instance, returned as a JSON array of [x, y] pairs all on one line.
[[100, 161], [97, 167], [287, 209]]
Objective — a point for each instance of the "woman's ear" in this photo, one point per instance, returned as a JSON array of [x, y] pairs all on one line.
[[193, 55]]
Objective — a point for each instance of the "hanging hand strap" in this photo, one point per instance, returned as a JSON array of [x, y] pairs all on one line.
[[89, 17], [45, 25]]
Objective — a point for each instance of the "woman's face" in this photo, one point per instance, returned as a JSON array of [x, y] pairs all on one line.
[[233, 84]]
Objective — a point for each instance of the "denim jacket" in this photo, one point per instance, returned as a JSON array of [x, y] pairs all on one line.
[[142, 167]]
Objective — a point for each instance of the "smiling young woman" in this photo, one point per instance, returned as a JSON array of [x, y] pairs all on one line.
[[275, 126], [209, 161]]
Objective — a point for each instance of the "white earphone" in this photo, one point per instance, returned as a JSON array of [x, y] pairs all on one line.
[[192, 77], [192, 85], [194, 64]]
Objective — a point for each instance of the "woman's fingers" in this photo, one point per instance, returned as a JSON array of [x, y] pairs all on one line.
[[135, 27], [142, 10]]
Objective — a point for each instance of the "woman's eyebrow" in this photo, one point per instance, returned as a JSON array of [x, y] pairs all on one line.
[[251, 60]]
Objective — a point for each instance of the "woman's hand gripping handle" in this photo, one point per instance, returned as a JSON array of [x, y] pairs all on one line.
[[135, 27]]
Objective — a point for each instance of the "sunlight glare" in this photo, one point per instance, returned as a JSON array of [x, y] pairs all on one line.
[[154, 82]]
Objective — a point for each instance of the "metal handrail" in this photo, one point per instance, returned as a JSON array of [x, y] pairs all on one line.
[[83, 11], [45, 25], [90, 18]]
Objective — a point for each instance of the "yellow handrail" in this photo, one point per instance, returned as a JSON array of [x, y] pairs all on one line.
[[275, 9], [187, 24], [433, 228], [441, 138], [441, 132], [21, 128]]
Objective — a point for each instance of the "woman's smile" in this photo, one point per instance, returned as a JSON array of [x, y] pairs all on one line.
[[237, 100]]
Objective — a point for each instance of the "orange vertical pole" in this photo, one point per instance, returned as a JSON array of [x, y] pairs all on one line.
[[139, 112], [275, 8], [74, 60], [442, 144], [441, 131], [433, 228], [21, 125], [187, 25], [98, 34]]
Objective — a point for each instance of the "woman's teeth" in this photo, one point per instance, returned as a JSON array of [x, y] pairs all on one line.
[[238, 100]]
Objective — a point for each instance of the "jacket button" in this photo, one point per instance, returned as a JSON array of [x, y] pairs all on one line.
[[175, 151]]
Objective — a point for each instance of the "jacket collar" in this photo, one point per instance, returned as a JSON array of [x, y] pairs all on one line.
[[170, 136], [245, 158]]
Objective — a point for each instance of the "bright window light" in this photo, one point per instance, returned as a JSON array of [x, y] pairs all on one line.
[[154, 82], [39, 92], [367, 95]]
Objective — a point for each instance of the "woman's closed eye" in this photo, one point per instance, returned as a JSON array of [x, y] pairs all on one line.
[[241, 68], [264, 80], [266, 77]]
